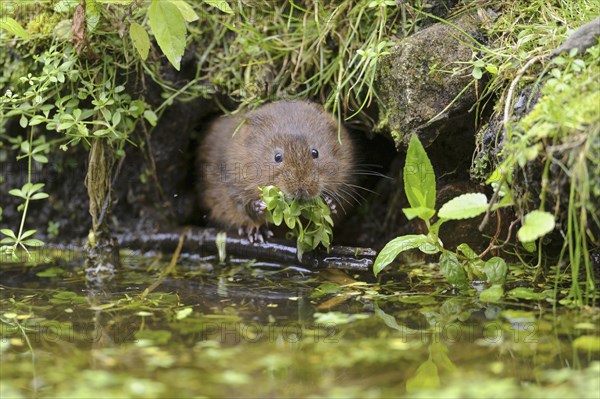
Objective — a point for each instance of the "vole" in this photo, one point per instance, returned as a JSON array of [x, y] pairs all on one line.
[[293, 145]]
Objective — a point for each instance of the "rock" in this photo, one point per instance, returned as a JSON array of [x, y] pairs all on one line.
[[415, 82], [584, 37]]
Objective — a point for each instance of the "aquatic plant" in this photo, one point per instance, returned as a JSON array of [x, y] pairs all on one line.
[[461, 266]]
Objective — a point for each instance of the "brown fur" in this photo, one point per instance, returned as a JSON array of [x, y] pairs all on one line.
[[231, 168]]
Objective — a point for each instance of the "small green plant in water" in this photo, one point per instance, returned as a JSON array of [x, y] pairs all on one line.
[[310, 221], [463, 266]]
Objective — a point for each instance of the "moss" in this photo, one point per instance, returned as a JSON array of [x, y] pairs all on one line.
[[419, 82], [43, 23]]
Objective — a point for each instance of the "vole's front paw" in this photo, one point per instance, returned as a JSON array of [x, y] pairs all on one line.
[[331, 204], [258, 206]]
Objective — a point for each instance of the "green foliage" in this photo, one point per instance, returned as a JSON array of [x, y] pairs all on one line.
[[419, 182], [168, 26], [559, 135], [140, 39], [562, 129], [310, 221], [536, 224], [42, 102], [221, 5], [458, 268], [452, 269], [464, 207], [13, 27], [393, 248], [327, 50]]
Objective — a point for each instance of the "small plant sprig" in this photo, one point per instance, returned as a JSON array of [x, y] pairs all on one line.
[[29, 192], [309, 221], [465, 265]]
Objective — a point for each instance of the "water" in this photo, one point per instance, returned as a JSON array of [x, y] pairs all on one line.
[[263, 330]]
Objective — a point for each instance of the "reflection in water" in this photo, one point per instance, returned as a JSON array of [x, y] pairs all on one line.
[[260, 330]]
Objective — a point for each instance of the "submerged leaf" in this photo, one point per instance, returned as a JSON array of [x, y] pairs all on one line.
[[526, 293], [587, 343], [426, 377], [492, 294]]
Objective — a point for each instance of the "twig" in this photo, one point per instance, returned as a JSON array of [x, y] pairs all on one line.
[[511, 91], [495, 238], [169, 268], [203, 242]]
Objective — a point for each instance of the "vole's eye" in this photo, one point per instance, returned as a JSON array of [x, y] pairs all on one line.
[[314, 153], [278, 157]]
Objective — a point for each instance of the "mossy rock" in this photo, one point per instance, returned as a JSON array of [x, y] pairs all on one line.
[[418, 84]]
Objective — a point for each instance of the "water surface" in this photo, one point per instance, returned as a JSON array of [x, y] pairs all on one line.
[[251, 329]]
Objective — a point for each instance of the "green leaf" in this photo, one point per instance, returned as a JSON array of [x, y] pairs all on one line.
[[13, 27], [526, 293], [40, 158], [477, 73], [51, 272], [64, 6], [492, 294], [38, 196], [420, 212], [390, 321], [429, 247], [394, 247], [92, 15], [17, 193], [536, 224], [33, 242], [491, 69], [139, 38], [168, 27], [426, 377], [9, 233], [464, 206], [183, 313], [187, 11], [277, 217], [466, 250], [419, 178], [453, 270], [587, 343], [495, 269], [150, 117], [439, 355], [529, 246], [221, 5], [28, 233]]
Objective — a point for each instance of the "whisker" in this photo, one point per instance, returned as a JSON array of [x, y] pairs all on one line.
[[351, 194], [354, 186], [368, 173], [357, 186]]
